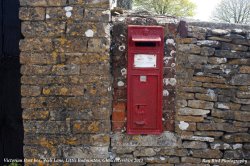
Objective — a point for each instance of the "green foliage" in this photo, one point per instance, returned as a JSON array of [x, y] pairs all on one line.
[[167, 7]]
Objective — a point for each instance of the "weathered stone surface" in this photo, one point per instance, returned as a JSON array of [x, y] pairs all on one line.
[[227, 46], [70, 45], [66, 83], [31, 13], [33, 3], [245, 108], [187, 40], [246, 146], [124, 149], [241, 61], [239, 31], [194, 59], [144, 152], [220, 32], [245, 69], [64, 90], [38, 45], [31, 114], [161, 161], [85, 152], [66, 69], [194, 84], [198, 35], [99, 139], [231, 54], [73, 140], [241, 124], [57, 2], [189, 48], [97, 3], [186, 126], [207, 51], [207, 97], [217, 120], [43, 80], [40, 152], [91, 127], [237, 154], [80, 114], [41, 58], [209, 133], [181, 103], [194, 89], [200, 104], [174, 152], [238, 137], [220, 146], [244, 88], [220, 39], [30, 90], [92, 14], [76, 2], [214, 85], [223, 114], [207, 153], [190, 160], [241, 79], [36, 70], [95, 69], [242, 42], [210, 79], [242, 116], [98, 45], [88, 29], [194, 145], [216, 60], [190, 118], [220, 127], [237, 146], [190, 111], [241, 101], [208, 43], [45, 127], [227, 106], [166, 139], [68, 12], [222, 98], [39, 28], [197, 138]]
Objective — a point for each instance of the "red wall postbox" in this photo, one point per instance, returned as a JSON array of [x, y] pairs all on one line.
[[145, 72]]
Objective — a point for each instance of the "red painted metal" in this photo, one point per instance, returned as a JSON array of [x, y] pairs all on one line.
[[145, 83]]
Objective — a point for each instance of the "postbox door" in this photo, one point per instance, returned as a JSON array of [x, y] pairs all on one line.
[[144, 99]]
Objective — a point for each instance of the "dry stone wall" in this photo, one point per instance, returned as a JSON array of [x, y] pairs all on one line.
[[66, 82], [213, 73]]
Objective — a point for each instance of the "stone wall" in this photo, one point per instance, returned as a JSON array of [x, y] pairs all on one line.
[[66, 82], [206, 113], [213, 102], [73, 108]]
